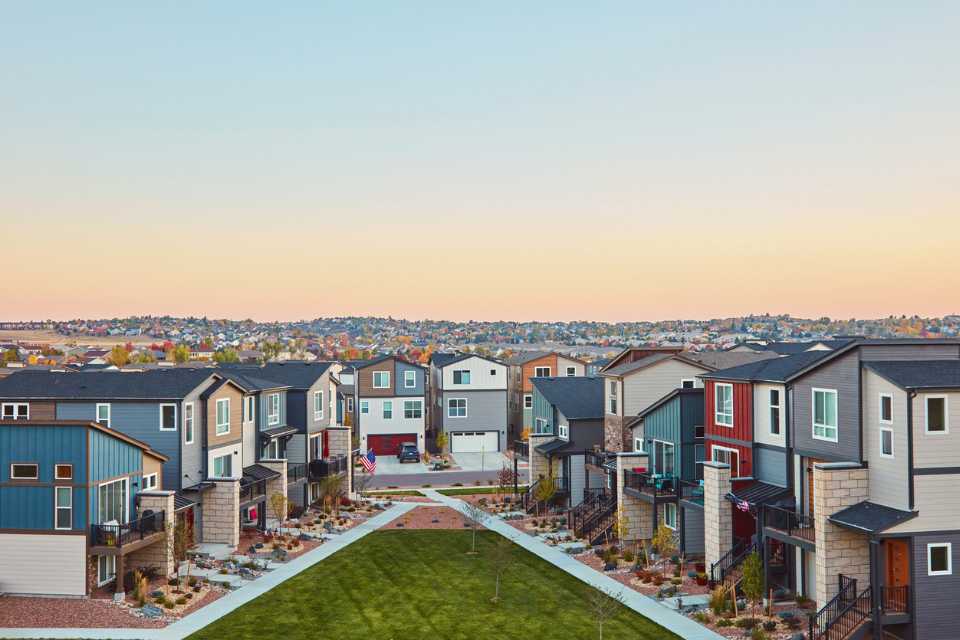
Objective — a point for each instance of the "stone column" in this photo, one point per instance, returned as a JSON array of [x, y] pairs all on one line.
[[539, 463], [836, 486], [639, 513], [339, 444], [221, 513], [613, 434], [275, 485], [160, 553], [717, 516]]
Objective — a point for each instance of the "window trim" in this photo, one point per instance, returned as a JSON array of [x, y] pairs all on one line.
[[57, 508], [36, 471], [191, 421], [461, 372], [546, 430], [350, 404], [669, 506], [373, 380], [613, 398], [926, 414], [409, 376], [96, 414], [273, 418], [643, 445], [418, 404], [548, 369], [778, 407], [734, 469], [813, 415], [219, 424], [528, 396], [880, 408], [949, 570], [692, 381], [571, 372], [250, 408], [383, 410], [153, 485], [364, 407], [653, 455], [318, 415], [563, 431], [109, 579], [457, 417], [716, 412], [892, 453], [168, 404], [4, 406], [214, 465], [56, 471]]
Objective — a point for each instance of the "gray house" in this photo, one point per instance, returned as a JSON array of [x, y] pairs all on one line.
[[469, 401]]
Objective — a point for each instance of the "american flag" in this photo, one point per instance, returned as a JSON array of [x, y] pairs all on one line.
[[369, 461], [743, 505]]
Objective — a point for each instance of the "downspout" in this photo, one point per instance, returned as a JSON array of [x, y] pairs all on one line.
[[911, 394], [876, 590]]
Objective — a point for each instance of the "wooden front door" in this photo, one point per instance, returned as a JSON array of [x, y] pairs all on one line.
[[898, 563]]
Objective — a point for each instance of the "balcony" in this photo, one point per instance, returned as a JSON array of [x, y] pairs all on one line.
[[126, 537], [296, 472], [652, 486], [788, 525], [252, 493], [325, 467]]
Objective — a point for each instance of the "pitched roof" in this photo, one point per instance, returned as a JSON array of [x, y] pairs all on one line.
[[667, 398], [724, 359], [772, 369], [442, 360], [527, 356], [870, 517], [577, 397], [919, 374], [113, 433], [250, 383], [153, 384], [642, 363], [295, 373]]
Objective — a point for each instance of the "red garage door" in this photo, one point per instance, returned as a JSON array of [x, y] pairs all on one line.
[[389, 445]]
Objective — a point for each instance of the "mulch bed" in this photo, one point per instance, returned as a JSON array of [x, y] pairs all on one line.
[[18, 611], [424, 517]]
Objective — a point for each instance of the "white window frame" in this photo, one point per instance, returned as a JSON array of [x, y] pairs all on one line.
[[383, 409], [409, 379], [125, 515], [349, 405], [416, 406], [926, 414], [57, 508], [528, 401], [813, 415], [889, 397], [213, 466], [669, 507], [250, 408], [221, 425], [541, 432], [778, 407], [692, 381], [571, 372], [149, 481], [450, 402], [385, 380], [189, 423], [949, 569], [168, 404], [110, 560], [537, 375], [716, 405], [461, 372], [273, 413], [563, 431], [734, 455], [364, 407], [56, 471], [653, 456], [643, 445], [318, 413], [36, 470], [884, 430], [613, 400], [15, 413], [96, 415]]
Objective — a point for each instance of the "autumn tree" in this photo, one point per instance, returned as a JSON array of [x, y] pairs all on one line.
[[475, 516], [119, 356], [545, 490], [226, 355], [280, 507], [179, 354], [505, 479], [752, 583]]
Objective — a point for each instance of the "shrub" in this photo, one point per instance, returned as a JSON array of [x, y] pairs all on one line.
[[769, 625], [192, 581], [718, 601], [676, 580], [723, 622], [628, 556], [747, 623], [181, 600], [168, 604], [758, 634], [702, 617], [174, 582]]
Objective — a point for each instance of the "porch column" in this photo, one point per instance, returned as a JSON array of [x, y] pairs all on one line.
[[836, 486], [539, 464], [158, 554], [717, 517], [639, 514], [339, 444], [118, 592], [278, 484], [221, 513], [876, 603]]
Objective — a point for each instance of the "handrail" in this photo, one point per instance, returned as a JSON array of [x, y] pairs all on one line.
[[842, 614], [117, 535], [793, 523], [329, 466], [729, 561], [600, 520], [652, 484], [296, 472], [895, 599]]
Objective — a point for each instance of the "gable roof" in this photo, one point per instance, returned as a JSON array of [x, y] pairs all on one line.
[[528, 356], [630, 367], [665, 399], [297, 374], [577, 397], [919, 374], [724, 359], [251, 383], [447, 359], [389, 356], [151, 384], [616, 360], [780, 369]]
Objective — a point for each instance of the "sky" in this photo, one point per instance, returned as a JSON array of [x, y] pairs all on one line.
[[498, 160]]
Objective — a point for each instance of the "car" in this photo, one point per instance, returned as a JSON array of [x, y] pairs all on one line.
[[408, 451]]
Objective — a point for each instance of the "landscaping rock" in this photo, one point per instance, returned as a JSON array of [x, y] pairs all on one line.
[[151, 611]]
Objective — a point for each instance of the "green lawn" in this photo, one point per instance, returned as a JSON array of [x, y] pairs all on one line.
[[423, 585]]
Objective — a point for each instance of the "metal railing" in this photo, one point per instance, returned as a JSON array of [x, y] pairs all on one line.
[[600, 459], [729, 561], [594, 500], [327, 467], [529, 499], [296, 472], [843, 614], [521, 448], [118, 535], [791, 522], [253, 491], [895, 599], [658, 486]]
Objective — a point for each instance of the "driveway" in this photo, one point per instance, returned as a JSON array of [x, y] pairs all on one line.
[[492, 461], [389, 465]]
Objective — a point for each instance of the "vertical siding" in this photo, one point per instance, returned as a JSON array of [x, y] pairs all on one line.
[[262, 410], [542, 409], [889, 478], [935, 596], [746, 455], [770, 465], [742, 412], [664, 424], [843, 375]]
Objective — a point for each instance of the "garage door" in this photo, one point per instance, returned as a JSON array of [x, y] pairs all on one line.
[[389, 445], [43, 564], [474, 441]]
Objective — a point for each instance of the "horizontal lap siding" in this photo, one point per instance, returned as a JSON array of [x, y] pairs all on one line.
[[771, 466], [936, 597], [843, 375]]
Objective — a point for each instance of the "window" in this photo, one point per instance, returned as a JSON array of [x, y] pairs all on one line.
[[388, 409], [670, 515], [103, 414], [149, 481], [940, 559], [461, 377], [223, 466], [188, 423], [687, 383], [273, 408], [274, 450], [825, 414], [563, 430], [541, 372], [886, 408], [63, 472], [316, 447], [106, 569], [723, 404], [410, 380], [249, 402], [527, 401], [638, 445], [168, 417], [412, 409], [16, 411], [886, 443], [112, 501], [457, 408], [540, 427], [612, 397], [775, 412], [937, 414], [381, 379], [223, 416], [493, 372], [663, 458], [349, 405], [727, 456], [571, 372], [364, 407], [24, 471], [64, 508], [318, 405]]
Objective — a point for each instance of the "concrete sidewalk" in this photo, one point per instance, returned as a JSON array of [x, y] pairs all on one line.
[[644, 605], [231, 601]]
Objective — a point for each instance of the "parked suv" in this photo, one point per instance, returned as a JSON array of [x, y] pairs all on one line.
[[408, 451]]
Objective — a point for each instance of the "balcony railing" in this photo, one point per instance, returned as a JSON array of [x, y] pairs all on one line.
[[118, 535], [793, 523], [296, 472], [895, 599], [656, 485], [843, 614], [319, 469], [600, 459], [253, 492], [521, 448]]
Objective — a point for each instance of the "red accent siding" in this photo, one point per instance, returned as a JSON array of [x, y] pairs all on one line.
[[742, 429], [745, 455]]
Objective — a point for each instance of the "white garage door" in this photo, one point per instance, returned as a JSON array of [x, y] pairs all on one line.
[[43, 564], [474, 441]]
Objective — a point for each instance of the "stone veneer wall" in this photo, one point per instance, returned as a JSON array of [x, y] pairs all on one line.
[[538, 462], [339, 444], [639, 514], [221, 513], [159, 554], [837, 486], [717, 516], [275, 485], [614, 439]]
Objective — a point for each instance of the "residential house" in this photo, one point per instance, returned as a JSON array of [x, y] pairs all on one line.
[[469, 398], [526, 366], [390, 404]]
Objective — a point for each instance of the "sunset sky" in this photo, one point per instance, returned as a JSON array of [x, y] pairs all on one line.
[[562, 160]]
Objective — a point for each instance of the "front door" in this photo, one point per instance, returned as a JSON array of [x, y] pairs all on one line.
[[898, 563]]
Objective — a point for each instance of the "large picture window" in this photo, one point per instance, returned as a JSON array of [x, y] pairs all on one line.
[[663, 458], [223, 466], [723, 404], [112, 501], [825, 414], [670, 515]]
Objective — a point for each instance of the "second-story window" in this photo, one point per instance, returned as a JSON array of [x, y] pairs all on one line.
[[168, 417], [461, 377], [364, 407], [412, 409], [563, 431], [249, 401], [886, 443], [318, 405], [64, 508], [409, 379], [188, 423], [223, 466], [16, 411], [223, 416], [381, 379], [24, 471], [541, 372], [886, 408], [540, 427], [457, 408], [723, 404], [103, 414], [528, 401], [273, 408], [387, 409], [571, 372], [612, 397], [775, 412], [687, 383], [936, 414], [825, 414]]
